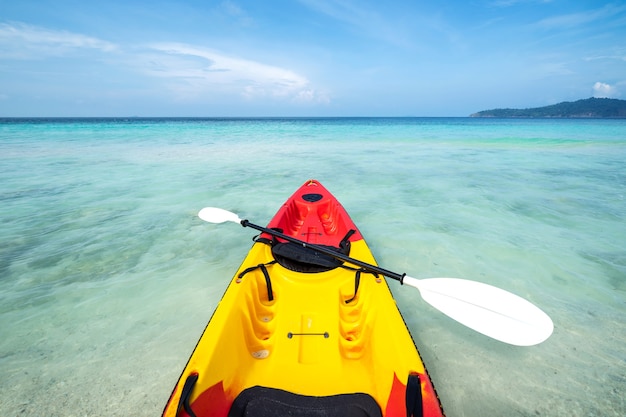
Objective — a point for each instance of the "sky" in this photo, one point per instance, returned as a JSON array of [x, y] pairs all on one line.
[[297, 58]]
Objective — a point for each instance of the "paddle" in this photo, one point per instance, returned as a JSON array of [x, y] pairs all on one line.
[[489, 310]]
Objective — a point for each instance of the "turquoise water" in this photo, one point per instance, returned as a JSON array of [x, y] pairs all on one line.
[[107, 277]]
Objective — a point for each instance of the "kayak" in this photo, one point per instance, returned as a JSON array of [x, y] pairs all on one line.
[[302, 333]]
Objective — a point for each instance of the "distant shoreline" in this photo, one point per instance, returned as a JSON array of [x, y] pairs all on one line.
[[591, 108]]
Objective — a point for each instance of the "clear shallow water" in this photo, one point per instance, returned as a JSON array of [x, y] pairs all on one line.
[[107, 277]]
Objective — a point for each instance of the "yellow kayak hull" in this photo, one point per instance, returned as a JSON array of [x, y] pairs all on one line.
[[312, 334]]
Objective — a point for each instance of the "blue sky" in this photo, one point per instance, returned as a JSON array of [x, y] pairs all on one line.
[[305, 57]]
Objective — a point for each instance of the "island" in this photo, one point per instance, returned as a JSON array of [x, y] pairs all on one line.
[[605, 108]]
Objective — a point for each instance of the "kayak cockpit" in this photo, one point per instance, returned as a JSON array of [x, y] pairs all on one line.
[[298, 258]]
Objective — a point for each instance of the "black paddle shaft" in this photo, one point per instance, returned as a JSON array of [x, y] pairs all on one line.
[[326, 251]]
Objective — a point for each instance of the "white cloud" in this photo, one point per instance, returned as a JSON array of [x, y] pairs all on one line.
[[365, 20], [608, 11], [195, 70], [616, 57], [509, 3], [236, 12], [603, 90], [555, 68], [187, 72], [24, 41], [312, 96]]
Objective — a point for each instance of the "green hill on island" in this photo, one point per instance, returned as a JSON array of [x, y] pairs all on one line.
[[587, 108]]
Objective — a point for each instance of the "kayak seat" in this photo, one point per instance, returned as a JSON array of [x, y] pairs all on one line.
[[260, 401], [298, 258]]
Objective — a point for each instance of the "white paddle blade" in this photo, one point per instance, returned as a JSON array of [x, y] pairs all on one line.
[[491, 311], [218, 215]]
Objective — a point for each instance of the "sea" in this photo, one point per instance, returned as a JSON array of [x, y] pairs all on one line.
[[108, 277]]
